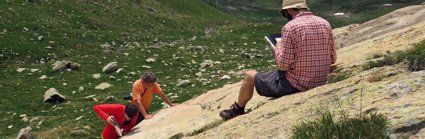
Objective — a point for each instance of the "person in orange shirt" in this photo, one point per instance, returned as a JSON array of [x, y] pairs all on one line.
[[142, 94]]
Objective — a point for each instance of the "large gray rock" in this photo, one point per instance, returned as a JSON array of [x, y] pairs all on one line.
[[206, 63], [111, 67], [183, 82], [59, 65], [103, 86], [24, 133], [52, 96], [64, 64]]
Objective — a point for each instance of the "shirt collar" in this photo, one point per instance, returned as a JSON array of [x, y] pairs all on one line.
[[303, 14]]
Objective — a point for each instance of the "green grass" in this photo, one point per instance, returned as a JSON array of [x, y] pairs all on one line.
[[415, 56], [359, 11], [338, 75], [76, 29], [327, 126]]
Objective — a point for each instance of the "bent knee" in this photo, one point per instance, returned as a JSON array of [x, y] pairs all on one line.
[[250, 74]]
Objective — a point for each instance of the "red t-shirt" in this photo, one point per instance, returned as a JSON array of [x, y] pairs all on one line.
[[116, 110]]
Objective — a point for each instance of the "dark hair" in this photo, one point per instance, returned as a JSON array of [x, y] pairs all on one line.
[[283, 12], [130, 110], [149, 77]]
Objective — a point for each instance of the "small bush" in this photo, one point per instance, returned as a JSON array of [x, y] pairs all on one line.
[[337, 76], [325, 126], [376, 77], [415, 56]]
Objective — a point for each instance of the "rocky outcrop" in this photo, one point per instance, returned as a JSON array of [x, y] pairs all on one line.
[[63, 65], [110, 67], [52, 96], [399, 95], [103, 86], [25, 133], [399, 19]]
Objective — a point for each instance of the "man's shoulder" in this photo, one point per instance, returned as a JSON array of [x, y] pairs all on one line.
[[137, 83]]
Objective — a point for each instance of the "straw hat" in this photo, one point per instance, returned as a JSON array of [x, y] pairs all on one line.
[[296, 4]]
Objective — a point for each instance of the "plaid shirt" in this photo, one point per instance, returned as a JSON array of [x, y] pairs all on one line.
[[307, 52]]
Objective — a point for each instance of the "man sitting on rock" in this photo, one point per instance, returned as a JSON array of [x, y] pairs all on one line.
[[142, 94], [123, 116], [304, 57]]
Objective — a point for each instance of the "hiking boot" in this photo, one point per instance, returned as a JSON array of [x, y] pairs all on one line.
[[234, 111]]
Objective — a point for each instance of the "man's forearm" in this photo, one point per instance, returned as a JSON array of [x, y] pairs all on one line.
[[165, 98], [141, 108]]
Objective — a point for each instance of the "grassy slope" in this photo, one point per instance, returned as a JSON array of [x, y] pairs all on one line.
[[359, 11], [75, 29]]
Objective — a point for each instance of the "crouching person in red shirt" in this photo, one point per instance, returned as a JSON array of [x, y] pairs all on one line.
[[124, 116]]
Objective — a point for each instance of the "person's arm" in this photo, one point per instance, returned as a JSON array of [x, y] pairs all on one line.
[[104, 110], [165, 98], [285, 51], [142, 110]]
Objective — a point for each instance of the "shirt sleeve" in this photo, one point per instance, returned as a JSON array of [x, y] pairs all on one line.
[[285, 56], [135, 92], [156, 88], [104, 110]]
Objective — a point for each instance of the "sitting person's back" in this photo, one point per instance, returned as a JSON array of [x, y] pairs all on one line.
[[307, 51]]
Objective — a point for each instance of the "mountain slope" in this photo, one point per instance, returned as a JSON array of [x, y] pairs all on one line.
[[399, 95], [355, 11], [178, 35]]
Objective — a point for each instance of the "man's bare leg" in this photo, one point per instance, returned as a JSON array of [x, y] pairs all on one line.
[[247, 88]]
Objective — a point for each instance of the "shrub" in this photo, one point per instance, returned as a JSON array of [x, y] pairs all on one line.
[[325, 126], [376, 77], [338, 75], [415, 56]]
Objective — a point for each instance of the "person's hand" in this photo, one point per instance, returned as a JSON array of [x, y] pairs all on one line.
[[109, 120], [148, 116], [278, 44]]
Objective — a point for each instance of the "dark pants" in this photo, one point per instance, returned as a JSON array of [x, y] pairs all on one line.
[[273, 84], [140, 118]]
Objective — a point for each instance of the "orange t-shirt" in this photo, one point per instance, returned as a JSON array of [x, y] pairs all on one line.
[[139, 90]]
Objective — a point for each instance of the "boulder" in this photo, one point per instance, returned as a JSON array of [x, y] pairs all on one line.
[[206, 63], [110, 67], [103, 86], [60, 65], [42, 77], [73, 66], [52, 96], [224, 77], [24, 133], [21, 69], [183, 82], [120, 70], [96, 76], [34, 70], [64, 64], [149, 60]]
